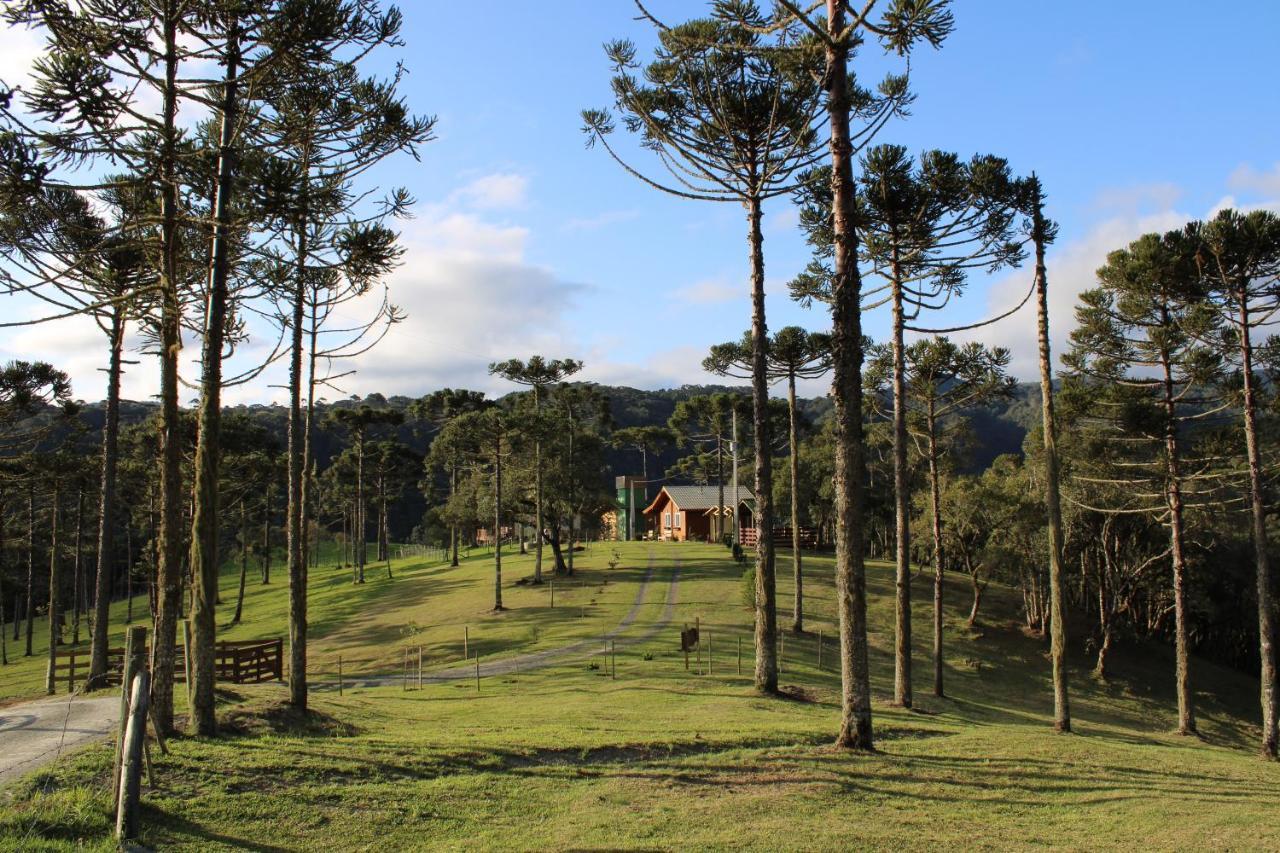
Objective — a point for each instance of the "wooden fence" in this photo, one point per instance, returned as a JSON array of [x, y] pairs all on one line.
[[782, 536], [243, 662]]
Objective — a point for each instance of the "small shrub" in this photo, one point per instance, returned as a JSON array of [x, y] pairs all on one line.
[[739, 556], [749, 587], [648, 656]]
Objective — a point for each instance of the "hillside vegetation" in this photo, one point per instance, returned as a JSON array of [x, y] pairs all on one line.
[[555, 752]]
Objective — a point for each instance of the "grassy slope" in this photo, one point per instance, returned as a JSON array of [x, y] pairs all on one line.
[[566, 757]]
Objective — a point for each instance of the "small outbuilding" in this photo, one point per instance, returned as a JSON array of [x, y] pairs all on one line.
[[690, 513]]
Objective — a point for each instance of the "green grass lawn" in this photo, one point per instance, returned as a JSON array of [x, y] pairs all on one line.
[[569, 757]]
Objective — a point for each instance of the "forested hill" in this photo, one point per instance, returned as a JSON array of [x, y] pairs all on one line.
[[999, 428]]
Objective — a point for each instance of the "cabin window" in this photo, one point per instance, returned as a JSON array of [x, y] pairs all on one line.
[[679, 519], [666, 520]]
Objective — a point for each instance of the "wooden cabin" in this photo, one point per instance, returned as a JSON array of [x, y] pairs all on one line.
[[689, 513]]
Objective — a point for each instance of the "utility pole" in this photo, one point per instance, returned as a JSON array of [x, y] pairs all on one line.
[[733, 447]]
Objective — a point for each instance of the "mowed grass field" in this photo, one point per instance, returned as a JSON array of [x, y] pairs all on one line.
[[660, 757]]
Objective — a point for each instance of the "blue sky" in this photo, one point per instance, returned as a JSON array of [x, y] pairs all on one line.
[[1136, 115]]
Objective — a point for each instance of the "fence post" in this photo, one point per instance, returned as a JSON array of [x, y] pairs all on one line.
[[339, 675], [711, 667], [71, 673], [135, 650], [782, 649], [186, 661], [697, 632], [131, 767], [419, 667], [613, 655], [464, 642], [739, 656]]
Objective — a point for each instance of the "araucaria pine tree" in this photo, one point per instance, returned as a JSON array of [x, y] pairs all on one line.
[[538, 374], [924, 226], [1238, 255], [734, 117], [1138, 358], [941, 382], [793, 353]]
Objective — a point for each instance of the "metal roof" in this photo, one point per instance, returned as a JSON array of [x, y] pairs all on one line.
[[703, 497]]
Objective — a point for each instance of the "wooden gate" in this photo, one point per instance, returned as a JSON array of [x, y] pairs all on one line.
[[243, 662]]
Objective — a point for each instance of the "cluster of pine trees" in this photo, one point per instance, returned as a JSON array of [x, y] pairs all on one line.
[[199, 171], [747, 105]]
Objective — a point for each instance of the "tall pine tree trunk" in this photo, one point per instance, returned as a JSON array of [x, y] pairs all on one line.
[[361, 526], [244, 562], [766, 669], [939, 547], [106, 507], [1182, 641], [793, 441], [901, 502], [55, 584], [1053, 503], [1266, 600], [204, 510], [77, 571], [537, 495], [169, 566], [454, 533], [847, 353], [294, 533], [497, 524]]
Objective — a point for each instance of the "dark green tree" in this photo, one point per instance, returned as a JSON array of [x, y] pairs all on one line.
[[1142, 382], [538, 374], [1238, 255], [792, 353]]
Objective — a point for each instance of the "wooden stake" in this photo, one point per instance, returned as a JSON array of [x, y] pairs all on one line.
[[697, 630], [135, 650], [419, 667], [130, 782]]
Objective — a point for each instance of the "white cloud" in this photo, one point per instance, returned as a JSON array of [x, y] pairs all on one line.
[[711, 291], [1247, 178], [19, 48], [497, 191], [600, 220], [471, 299], [1071, 270], [1139, 198]]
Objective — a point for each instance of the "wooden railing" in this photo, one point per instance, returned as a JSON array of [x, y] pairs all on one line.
[[242, 662], [782, 537]]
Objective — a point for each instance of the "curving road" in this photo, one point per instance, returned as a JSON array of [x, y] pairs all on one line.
[[33, 734], [546, 657]]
